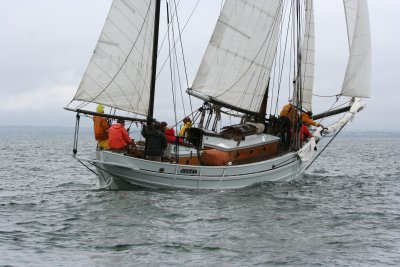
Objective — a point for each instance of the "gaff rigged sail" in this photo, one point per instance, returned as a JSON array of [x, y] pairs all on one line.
[[119, 72], [238, 60]]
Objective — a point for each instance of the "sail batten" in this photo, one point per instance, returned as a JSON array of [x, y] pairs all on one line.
[[119, 72], [237, 64]]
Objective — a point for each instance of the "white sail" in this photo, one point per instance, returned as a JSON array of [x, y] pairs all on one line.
[[357, 81], [308, 59], [119, 72], [237, 64]]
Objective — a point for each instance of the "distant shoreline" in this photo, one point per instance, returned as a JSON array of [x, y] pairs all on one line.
[[84, 130]]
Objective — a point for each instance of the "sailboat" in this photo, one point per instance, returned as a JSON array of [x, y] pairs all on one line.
[[239, 77]]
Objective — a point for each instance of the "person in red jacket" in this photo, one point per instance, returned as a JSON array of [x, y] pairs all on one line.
[[305, 133], [171, 138], [101, 127], [118, 137]]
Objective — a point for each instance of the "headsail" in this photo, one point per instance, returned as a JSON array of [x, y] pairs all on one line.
[[119, 72], [307, 60], [237, 64], [357, 81]]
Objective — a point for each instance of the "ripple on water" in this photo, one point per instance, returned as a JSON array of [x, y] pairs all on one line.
[[344, 212]]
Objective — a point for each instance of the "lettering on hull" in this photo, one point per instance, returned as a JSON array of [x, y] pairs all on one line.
[[188, 171]]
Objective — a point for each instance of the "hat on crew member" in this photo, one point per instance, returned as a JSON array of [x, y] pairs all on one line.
[[100, 108]]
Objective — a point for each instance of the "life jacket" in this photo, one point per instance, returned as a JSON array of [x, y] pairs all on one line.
[[289, 111], [184, 128]]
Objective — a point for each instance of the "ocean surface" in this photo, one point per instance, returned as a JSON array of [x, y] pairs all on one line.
[[344, 212]]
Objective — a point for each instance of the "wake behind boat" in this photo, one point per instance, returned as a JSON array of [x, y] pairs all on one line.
[[240, 77]]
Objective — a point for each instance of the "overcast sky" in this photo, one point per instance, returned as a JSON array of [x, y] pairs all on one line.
[[46, 44]]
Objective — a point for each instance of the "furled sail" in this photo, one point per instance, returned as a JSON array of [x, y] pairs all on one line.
[[357, 80], [237, 63], [307, 59], [119, 72]]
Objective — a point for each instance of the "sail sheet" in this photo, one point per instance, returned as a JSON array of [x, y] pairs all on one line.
[[307, 59], [357, 81], [236, 66], [119, 71]]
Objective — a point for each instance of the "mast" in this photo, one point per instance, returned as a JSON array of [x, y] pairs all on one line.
[[154, 58], [263, 109]]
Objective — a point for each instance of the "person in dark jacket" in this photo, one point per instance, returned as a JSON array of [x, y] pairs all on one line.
[[155, 141]]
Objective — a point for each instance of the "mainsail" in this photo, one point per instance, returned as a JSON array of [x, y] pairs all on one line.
[[307, 60], [238, 60], [357, 80], [119, 73]]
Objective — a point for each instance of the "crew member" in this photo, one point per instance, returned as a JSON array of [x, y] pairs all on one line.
[[307, 119], [101, 127], [118, 137]]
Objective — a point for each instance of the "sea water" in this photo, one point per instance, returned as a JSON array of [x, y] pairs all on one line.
[[344, 212]]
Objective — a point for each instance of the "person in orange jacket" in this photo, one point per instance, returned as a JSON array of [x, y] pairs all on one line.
[[101, 127], [187, 123], [118, 137], [306, 118], [289, 111]]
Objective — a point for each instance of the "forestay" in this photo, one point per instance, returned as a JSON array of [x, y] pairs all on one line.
[[119, 72], [237, 63], [357, 80]]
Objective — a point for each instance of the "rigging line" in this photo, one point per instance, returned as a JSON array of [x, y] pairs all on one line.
[[280, 61], [180, 40], [277, 61], [112, 79], [291, 54], [262, 74], [281, 70], [183, 29], [104, 170], [326, 146], [165, 35], [86, 166], [176, 58], [332, 107], [337, 99], [170, 65], [183, 54], [298, 76], [97, 174], [126, 59], [275, 17]]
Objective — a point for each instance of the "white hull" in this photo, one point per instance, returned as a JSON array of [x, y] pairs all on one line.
[[116, 171]]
